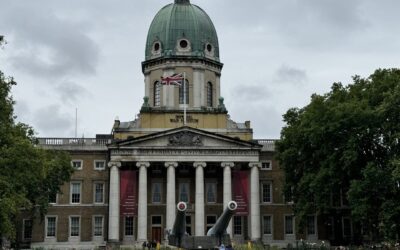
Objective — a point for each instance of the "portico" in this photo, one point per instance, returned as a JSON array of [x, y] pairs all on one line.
[[186, 162]]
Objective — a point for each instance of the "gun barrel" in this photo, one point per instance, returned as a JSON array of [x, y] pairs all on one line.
[[179, 229], [222, 223]]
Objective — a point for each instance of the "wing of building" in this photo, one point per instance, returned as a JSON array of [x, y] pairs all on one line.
[[183, 146]]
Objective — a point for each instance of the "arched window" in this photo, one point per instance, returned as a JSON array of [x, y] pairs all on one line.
[[181, 94], [157, 94], [209, 94]]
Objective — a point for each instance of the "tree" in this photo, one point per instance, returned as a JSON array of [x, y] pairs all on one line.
[[29, 175], [347, 142]]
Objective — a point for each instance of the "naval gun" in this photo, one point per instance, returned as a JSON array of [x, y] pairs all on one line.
[[178, 232], [216, 236]]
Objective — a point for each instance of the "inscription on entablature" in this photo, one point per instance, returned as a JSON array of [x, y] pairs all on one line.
[[180, 119], [178, 152]]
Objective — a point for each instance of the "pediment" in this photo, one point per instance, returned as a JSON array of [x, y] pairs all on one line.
[[185, 137]]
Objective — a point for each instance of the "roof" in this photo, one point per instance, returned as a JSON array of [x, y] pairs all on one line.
[[182, 21]]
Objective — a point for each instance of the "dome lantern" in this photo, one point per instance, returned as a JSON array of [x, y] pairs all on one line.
[[182, 1]]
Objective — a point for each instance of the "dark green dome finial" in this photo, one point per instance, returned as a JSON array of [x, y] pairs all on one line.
[[182, 1]]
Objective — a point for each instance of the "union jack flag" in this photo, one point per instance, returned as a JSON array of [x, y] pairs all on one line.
[[175, 79]]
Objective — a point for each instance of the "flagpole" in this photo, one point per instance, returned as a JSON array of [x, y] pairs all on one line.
[[184, 98]]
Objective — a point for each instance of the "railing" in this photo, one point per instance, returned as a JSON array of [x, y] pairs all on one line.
[[268, 144], [73, 141]]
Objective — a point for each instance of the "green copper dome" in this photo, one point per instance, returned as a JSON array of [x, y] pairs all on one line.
[[182, 29]]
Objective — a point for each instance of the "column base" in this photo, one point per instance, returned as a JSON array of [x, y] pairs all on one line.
[[113, 244]]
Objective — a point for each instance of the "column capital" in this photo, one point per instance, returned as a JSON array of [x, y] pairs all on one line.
[[227, 164], [255, 164], [114, 164], [199, 164], [140, 164], [171, 164]]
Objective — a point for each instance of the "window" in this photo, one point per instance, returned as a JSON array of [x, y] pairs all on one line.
[[77, 164], [183, 43], [211, 192], [74, 226], [289, 224], [181, 92], [156, 46], [99, 193], [311, 225], [209, 47], [99, 165], [157, 94], [75, 192], [346, 227], [266, 192], [211, 219], [266, 165], [51, 225], [27, 234], [189, 224], [156, 192], [98, 226], [184, 192], [237, 225], [53, 198], [209, 94], [267, 224], [129, 226], [343, 195], [156, 220], [288, 196]]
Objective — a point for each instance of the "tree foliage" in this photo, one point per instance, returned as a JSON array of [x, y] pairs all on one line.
[[348, 140], [28, 174]]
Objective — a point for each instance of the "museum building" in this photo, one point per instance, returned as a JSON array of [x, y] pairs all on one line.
[[183, 146]]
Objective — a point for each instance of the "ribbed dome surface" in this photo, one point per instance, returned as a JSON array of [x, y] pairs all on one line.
[[182, 20]]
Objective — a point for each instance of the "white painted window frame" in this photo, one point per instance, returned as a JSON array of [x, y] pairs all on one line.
[[77, 160], [94, 226], [46, 226], [94, 192], [80, 192], [99, 169], [270, 192], [271, 222], [270, 165], [23, 229], [70, 227]]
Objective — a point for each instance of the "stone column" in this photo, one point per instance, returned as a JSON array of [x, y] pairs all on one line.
[[142, 204], [170, 197], [113, 218], [255, 232], [227, 193], [199, 198]]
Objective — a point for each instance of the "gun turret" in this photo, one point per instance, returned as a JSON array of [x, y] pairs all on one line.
[[219, 229]]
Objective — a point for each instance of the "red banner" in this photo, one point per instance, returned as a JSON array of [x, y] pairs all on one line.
[[241, 191], [128, 191]]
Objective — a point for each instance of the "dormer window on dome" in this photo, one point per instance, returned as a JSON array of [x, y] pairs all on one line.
[[183, 45], [209, 50], [156, 49]]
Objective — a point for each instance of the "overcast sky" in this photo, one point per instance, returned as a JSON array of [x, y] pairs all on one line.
[[87, 54]]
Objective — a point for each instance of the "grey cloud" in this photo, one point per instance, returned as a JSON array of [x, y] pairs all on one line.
[[53, 121], [250, 93], [70, 92], [290, 75], [21, 109], [49, 46]]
